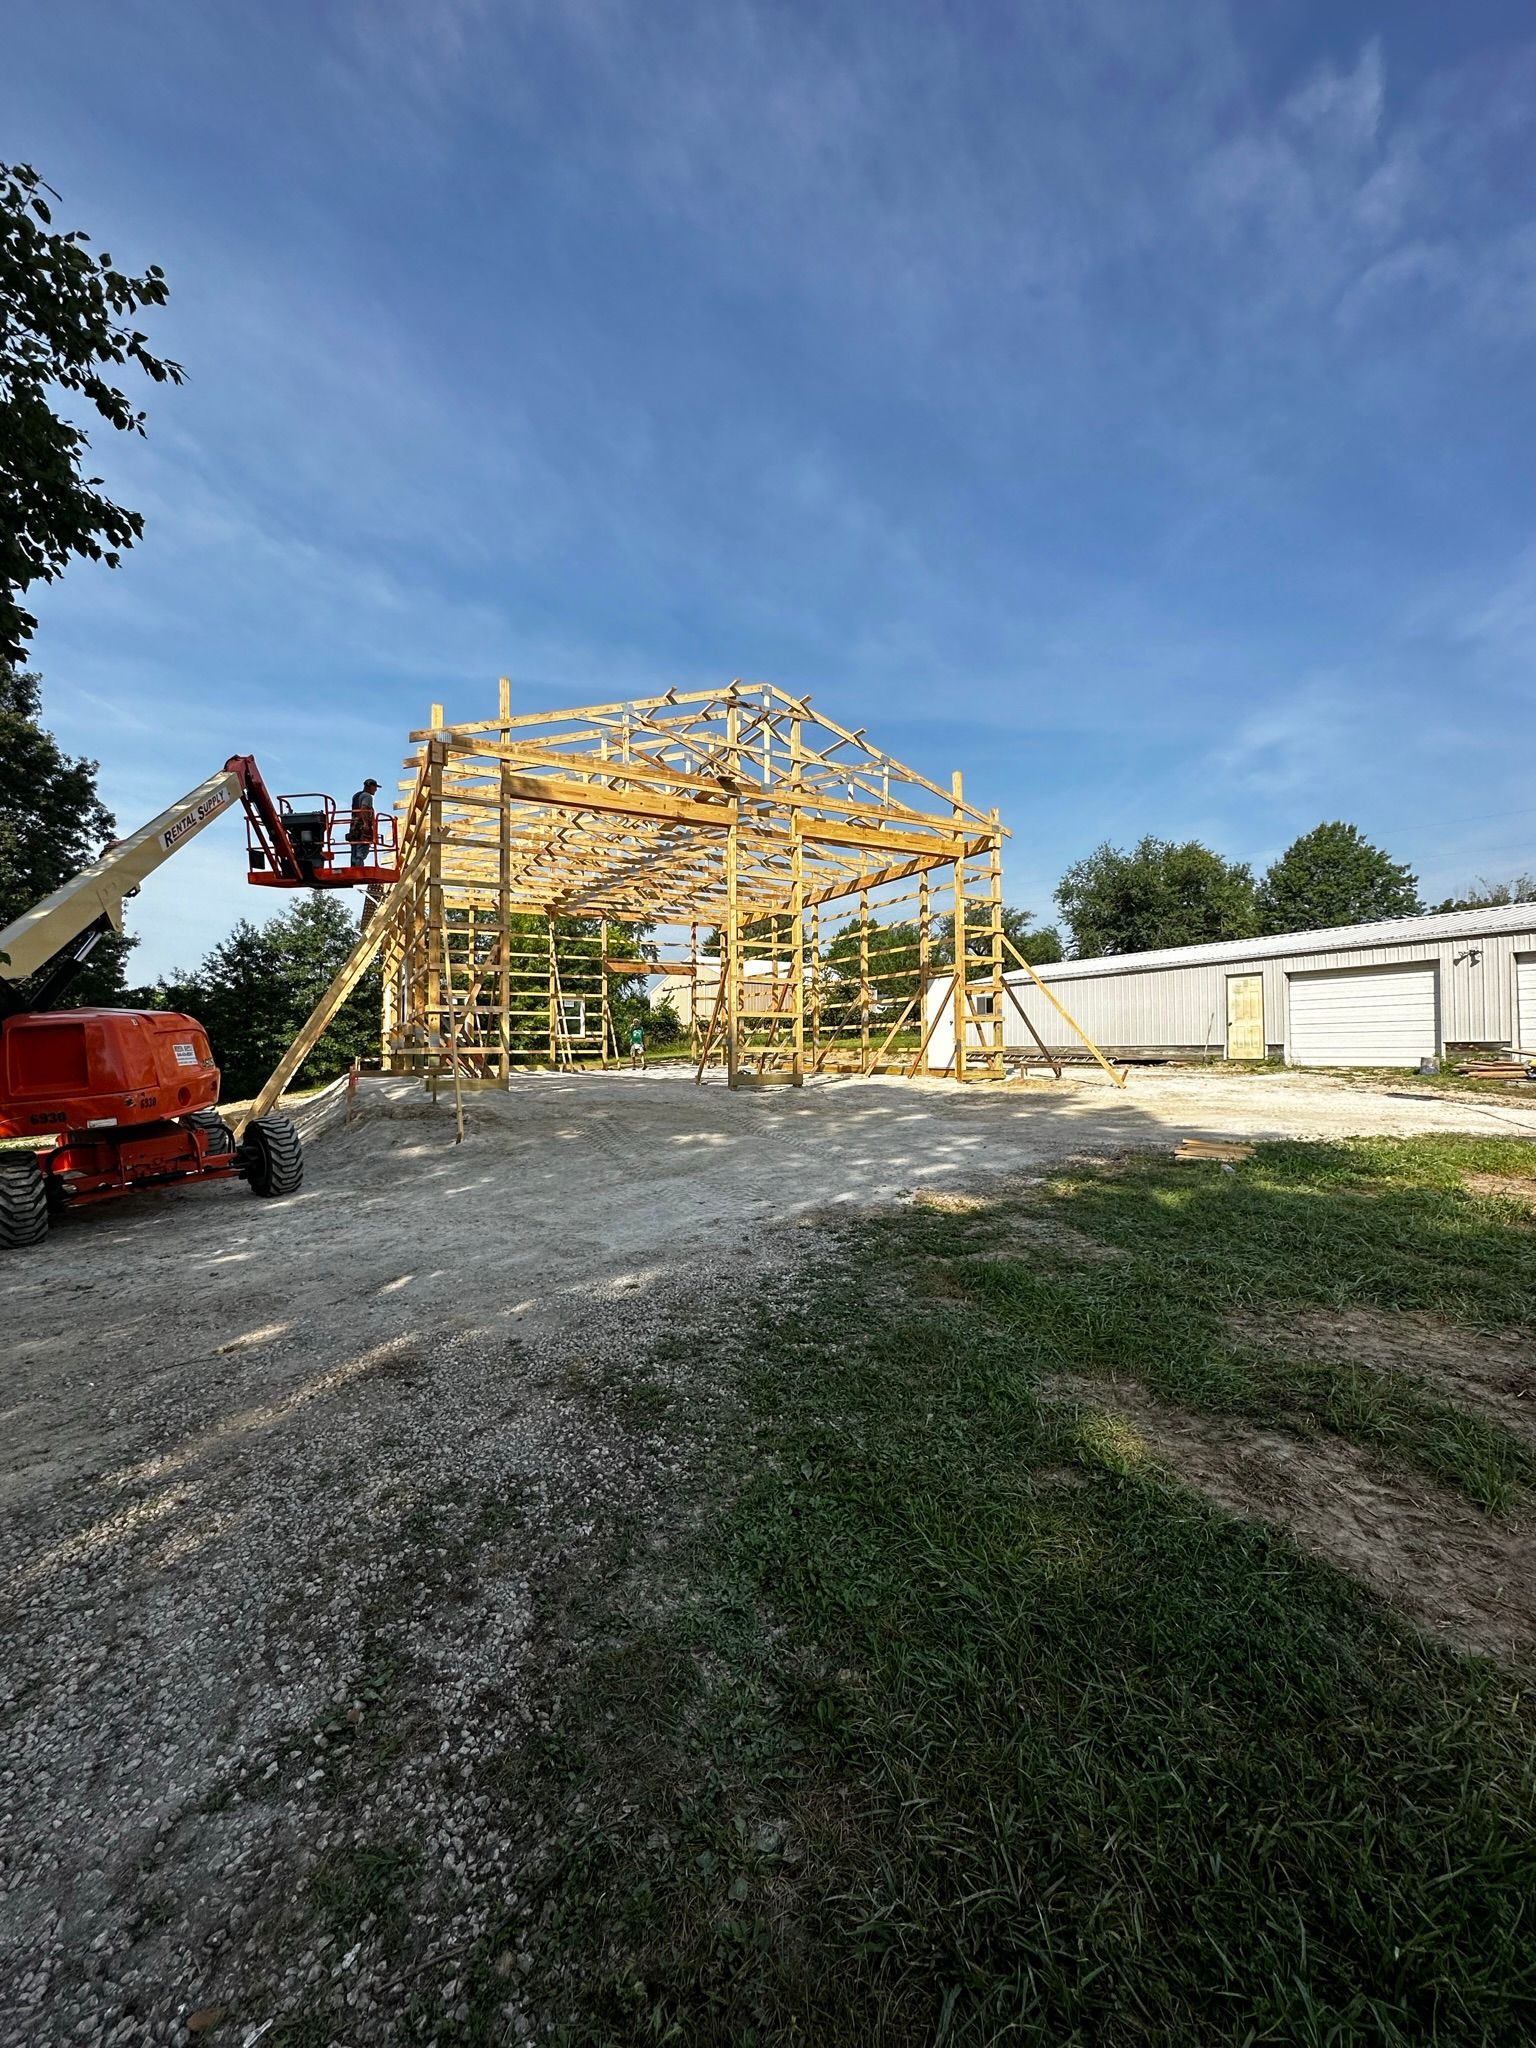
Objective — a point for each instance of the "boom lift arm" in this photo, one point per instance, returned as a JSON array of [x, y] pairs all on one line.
[[91, 903]]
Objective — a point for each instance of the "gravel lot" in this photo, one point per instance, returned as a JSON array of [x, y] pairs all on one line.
[[287, 1487]]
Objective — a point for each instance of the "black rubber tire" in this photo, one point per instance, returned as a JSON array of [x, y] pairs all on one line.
[[271, 1156], [23, 1205], [220, 1137]]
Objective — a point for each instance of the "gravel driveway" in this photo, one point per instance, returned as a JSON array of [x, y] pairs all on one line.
[[284, 1483]]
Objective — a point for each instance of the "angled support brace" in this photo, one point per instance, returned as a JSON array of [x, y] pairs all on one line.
[[1118, 1076], [350, 973]]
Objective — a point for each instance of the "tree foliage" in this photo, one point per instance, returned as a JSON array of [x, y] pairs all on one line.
[[52, 824], [1332, 876], [1485, 895], [1039, 944], [1157, 894], [253, 991], [65, 317], [889, 953], [658, 1020]]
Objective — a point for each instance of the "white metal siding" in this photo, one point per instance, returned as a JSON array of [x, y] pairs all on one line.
[[1371, 1017], [1525, 1003], [941, 1040]]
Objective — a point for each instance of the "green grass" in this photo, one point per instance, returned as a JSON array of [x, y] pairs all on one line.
[[956, 1722], [1449, 1082], [1385, 1224]]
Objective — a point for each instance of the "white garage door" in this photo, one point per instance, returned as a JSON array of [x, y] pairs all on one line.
[[1525, 993], [1363, 1017]]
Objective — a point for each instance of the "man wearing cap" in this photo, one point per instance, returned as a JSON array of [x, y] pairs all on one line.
[[360, 832]]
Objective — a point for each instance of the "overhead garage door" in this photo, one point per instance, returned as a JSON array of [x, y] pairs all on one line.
[[1363, 1017], [1525, 1001]]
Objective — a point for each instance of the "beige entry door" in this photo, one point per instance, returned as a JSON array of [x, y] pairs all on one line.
[[1245, 1017]]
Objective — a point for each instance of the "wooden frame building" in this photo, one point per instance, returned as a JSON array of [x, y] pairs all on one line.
[[812, 884]]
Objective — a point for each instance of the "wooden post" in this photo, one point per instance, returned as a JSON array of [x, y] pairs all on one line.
[[924, 945], [389, 1008], [815, 985], [504, 919], [797, 955], [693, 991], [863, 981], [730, 940], [458, 1085], [554, 990], [995, 981], [434, 907], [960, 936], [730, 949], [603, 988]]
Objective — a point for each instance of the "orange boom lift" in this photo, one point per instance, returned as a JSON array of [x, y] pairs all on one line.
[[129, 1097]]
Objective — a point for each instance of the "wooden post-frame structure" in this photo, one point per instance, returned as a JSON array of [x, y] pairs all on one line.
[[827, 909]]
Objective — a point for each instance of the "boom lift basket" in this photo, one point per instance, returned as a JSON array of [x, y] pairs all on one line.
[[314, 847]]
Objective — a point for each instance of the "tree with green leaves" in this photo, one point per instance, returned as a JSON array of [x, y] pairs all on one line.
[[1039, 944], [889, 951], [1333, 876], [52, 824], [1158, 894], [65, 321], [1483, 895], [256, 988]]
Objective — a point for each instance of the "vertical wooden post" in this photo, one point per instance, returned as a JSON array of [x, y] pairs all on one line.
[[554, 991], [504, 919], [995, 980], [693, 993], [815, 987], [924, 943], [730, 943], [863, 981], [389, 1008], [730, 949], [602, 971], [797, 955], [436, 752], [958, 992]]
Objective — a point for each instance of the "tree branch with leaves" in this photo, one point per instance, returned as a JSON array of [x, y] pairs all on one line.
[[65, 323]]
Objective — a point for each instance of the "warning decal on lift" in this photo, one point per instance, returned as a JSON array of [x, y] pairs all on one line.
[[186, 1055]]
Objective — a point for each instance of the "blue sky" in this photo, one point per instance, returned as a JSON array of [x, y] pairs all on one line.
[[1129, 402]]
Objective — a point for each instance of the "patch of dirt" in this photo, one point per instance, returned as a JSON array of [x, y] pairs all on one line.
[[1027, 1233], [1490, 1372], [1460, 1576], [1014, 1234], [1509, 1187]]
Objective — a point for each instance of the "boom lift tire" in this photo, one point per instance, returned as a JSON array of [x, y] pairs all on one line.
[[271, 1156], [23, 1204], [220, 1137]]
